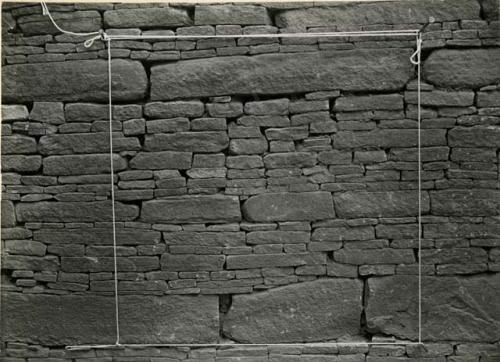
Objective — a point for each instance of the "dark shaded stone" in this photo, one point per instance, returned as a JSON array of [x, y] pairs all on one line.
[[478, 136], [78, 319], [386, 138], [470, 68], [74, 211], [379, 204], [461, 230], [35, 263], [97, 236], [277, 237], [21, 163], [227, 14], [454, 308], [164, 16], [289, 207], [161, 160], [205, 238], [60, 144], [76, 21], [188, 141], [8, 214], [312, 311], [81, 80], [372, 102], [189, 262], [251, 261], [465, 202], [18, 144], [192, 209], [374, 256], [82, 164], [283, 73]]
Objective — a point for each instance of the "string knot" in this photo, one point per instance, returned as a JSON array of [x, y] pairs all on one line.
[[415, 57]]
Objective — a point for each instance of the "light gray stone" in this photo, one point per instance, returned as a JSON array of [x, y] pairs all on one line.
[[283, 74], [164, 16], [81, 164], [289, 207], [76, 21], [59, 81], [174, 109], [202, 142], [267, 108], [307, 312], [48, 112], [228, 14], [454, 308], [14, 113], [371, 102], [8, 214], [161, 160], [81, 319], [192, 209]]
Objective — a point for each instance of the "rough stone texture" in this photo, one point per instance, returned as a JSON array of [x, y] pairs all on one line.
[[82, 164], [72, 319], [188, 141], [280, 73], [465, 202], [146, 17], [161, 160], [454, 308], [85, 143], [362, 103], [97, 236], [58, 81], [74, 211], [473, 68], [8, 214], [386, 138], [306, 312], [231, 14], [478, 136], [289, 207], [379, 204], [76, 21], [192, 209], [345, 16]]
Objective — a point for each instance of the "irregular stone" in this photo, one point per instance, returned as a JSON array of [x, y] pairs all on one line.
[[470, 68], [34, 263], [161, 160], [188, 262], [371, 102], [58, 81], [277, 237], [477, 136], [222, 238], [488, 99], [91, 264], [345, 16], [379, 204], [74, 211], [306, 312], [387, 138], [231, 109], [289, 207], [60, 144], [14, 113], [290, 160], [267, 108], [21, 163], [283, 73], [18, 144], [465, 202], [79, 319], [86, 112], [438, 98], [164, 16], [82, 164], [228, 14], [48, 112], [76, 21], [454, 308], [203, 142], [25, 247], [335, 157], [97, 236], [192, 209], [174, 109], [244, 162], [248, 146], [8, 214]]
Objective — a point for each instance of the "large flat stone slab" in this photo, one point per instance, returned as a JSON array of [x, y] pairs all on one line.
[[379, 204], [283, 206], [348, 15], [454, 308], [82, 80], [356, 70], [146, 17], [95, 211], [470, 68], [192, 209], [71, 319], [465, 202], [477, 136], [97, 236], [231, 14], [82, 164], [61, 144], [307, 312], [202, 142]]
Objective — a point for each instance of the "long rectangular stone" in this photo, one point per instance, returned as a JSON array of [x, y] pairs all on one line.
[[81, 319], [273, 260], [438, 98], [97, 236], [192, 209], [60, 144], [95, 211], [227, 14], [58, 81], [343, 233], [385, 138], [478, 136], [371, 102], [283, 73], [165, 160], [278, 237], [202, 142], [220, 238], [164, 16], [374, 256], [92, 264], [465, 202], [190, 262], [68, 165]]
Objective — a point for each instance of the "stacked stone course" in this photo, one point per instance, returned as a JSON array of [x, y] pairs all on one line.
[[266, 189]]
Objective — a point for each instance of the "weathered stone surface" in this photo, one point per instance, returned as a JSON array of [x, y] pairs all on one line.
[[312, 311], [146, 17], [58, 81], [74, 211], [76, 21], [14, 113], [283, 73], [343, 233], [25, 247], [60, 144], [35, 263], [374, 256], [478, 136], [92, 264], [228, 14], [461, 230], [47, 112], [189, 262], [345, 16], [266, 108], [454, 308], [18, 144], [289, 207], [161, 160], [97, 236], [277, 237], [188, 141], [386, 138], [289, 160], [205, 238], [248, 146], [174, 109], [82, 164], [379, 204], [465, 202], [72, 319], [8, 214], [471, 68], [441, 98], [192, 209], [21, 163], [372, 102]]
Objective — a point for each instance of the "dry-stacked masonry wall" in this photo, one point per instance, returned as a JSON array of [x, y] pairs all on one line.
[[266, 189]]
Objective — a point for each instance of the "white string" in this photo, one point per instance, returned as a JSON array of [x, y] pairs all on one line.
[[419, 155], [110, 106]]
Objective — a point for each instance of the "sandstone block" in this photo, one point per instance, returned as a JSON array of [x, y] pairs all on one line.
[[374, 256], [343, 233]]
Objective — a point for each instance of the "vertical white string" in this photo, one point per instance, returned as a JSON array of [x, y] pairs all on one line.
[[110, 105], [419, 49]]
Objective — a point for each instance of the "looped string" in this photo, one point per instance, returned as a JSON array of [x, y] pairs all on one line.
[[415, 57], [96, 35]]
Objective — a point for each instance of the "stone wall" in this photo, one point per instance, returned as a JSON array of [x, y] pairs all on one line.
[[266, 188]]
